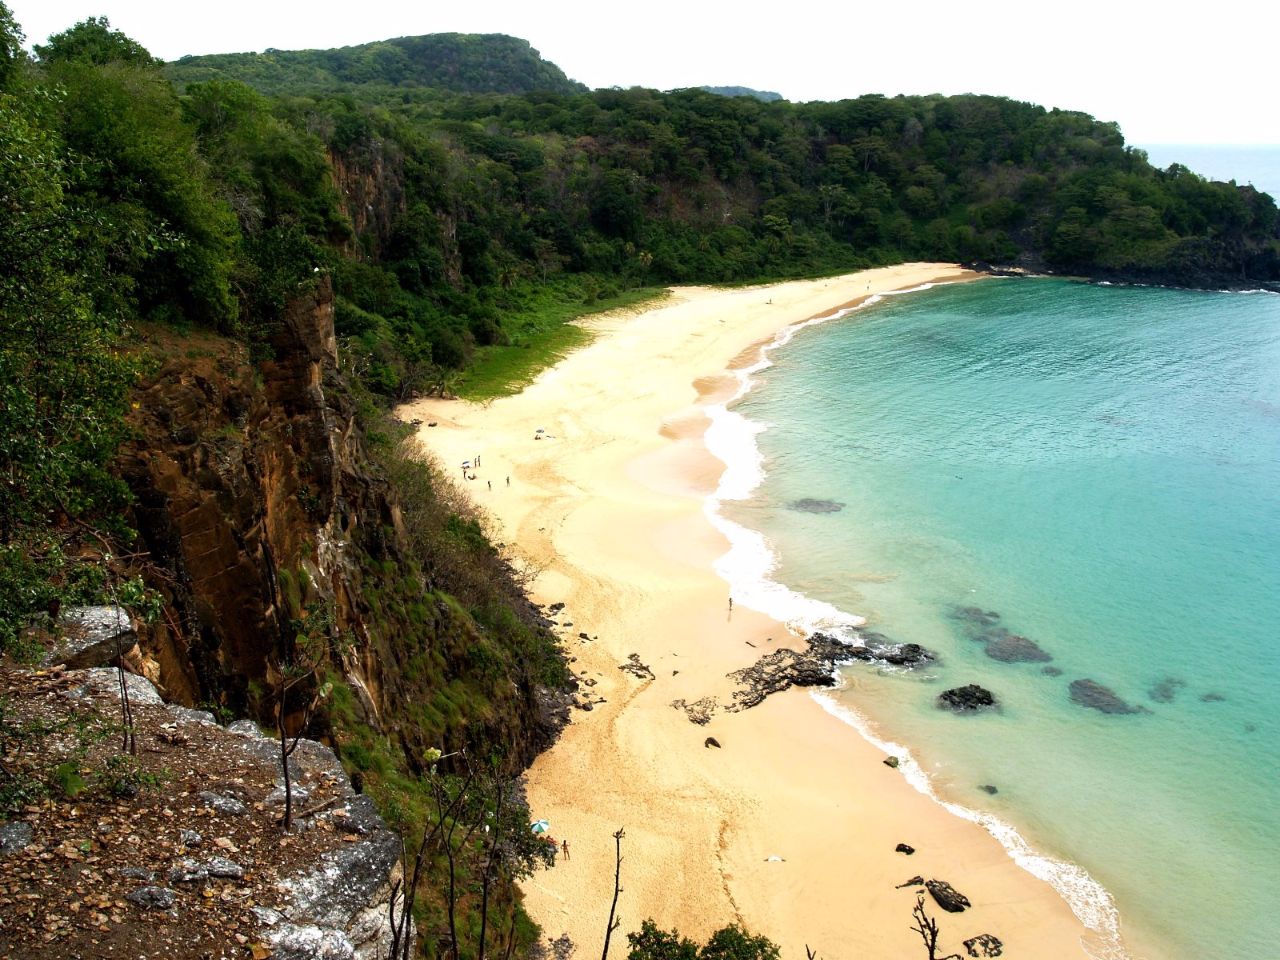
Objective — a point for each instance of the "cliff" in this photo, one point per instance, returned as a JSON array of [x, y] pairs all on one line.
[[266, 522]]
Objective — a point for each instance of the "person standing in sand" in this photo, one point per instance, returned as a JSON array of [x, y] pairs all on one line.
[[564, 847]]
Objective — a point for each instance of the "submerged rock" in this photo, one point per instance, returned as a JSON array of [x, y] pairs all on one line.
[[808, 505], [989, 788], [1213, 698], [1051, 671], [948, 897], [1163, 691], [975, 615], [966, 698], [1090, 693], [1015, 648]]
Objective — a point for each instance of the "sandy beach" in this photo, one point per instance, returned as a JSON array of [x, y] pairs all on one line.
[[607, 503]]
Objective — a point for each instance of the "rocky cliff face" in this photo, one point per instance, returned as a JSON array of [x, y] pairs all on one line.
[[262, 516]]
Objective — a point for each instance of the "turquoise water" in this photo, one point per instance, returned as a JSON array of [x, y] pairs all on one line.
[[1101, 467]]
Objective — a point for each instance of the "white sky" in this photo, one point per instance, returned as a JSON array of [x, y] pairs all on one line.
[[1164, 73]]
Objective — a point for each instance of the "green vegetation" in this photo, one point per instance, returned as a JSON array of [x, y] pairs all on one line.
[[728, 943], [474, 63]]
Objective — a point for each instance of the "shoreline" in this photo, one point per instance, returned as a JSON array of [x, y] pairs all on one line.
[[791, 780]]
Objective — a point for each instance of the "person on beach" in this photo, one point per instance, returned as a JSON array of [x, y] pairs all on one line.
[[508, 481], [490, 483], [564, 847], [731, 604]]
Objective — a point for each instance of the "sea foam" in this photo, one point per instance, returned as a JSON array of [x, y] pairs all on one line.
[[748, 567]]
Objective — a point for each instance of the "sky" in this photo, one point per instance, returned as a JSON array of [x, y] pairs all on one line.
[[1167, 73]]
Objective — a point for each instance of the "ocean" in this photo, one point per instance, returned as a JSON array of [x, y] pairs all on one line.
[[1046, 482]]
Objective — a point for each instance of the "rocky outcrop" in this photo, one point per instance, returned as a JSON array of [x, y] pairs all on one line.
[[203, 858], [260, 509], [967, 698], [947, 896], [91, 637]]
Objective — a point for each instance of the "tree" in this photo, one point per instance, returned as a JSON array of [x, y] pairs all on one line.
[[63, 375], [12, 56], [93, 41]]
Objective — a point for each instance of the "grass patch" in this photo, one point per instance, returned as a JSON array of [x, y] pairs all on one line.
[[539, 323]]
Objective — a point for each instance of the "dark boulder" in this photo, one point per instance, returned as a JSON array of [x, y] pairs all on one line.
[[1090, 693], [891, 762], [967, 698], [1015, 648], [948, 897], [984, 945], [711, 742], [905, 848], [152, 898], [990, 788]]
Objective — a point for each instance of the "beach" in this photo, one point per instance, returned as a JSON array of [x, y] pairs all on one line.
[[597, 476]]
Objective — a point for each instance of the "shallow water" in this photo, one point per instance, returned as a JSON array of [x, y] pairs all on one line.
[[1101, 467]]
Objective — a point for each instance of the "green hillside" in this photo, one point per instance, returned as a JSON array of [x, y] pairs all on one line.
[[461, 62]]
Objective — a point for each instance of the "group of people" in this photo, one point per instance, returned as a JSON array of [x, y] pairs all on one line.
[[469, 468]]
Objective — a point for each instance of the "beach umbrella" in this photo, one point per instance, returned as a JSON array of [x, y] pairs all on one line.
[[539, 826]]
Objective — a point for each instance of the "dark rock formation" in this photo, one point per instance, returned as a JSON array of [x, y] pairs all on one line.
[[152, 898], [1015, 648], [1090, 693], [990, 788], [905, 848], [711, 742], [634, 667], [1051, 671], [948, 898], [808, 505], [913, 882], [984, 945], [1213, 698], [966, 698], [891, 762], [784, 668]]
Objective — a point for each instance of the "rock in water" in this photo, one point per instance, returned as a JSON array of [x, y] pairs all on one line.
[[989, 788], [966, 698], [891, 762], [1015, 648], [984, 945], [808, 505], [949, 898], [1090, 693], [1163, 691]]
